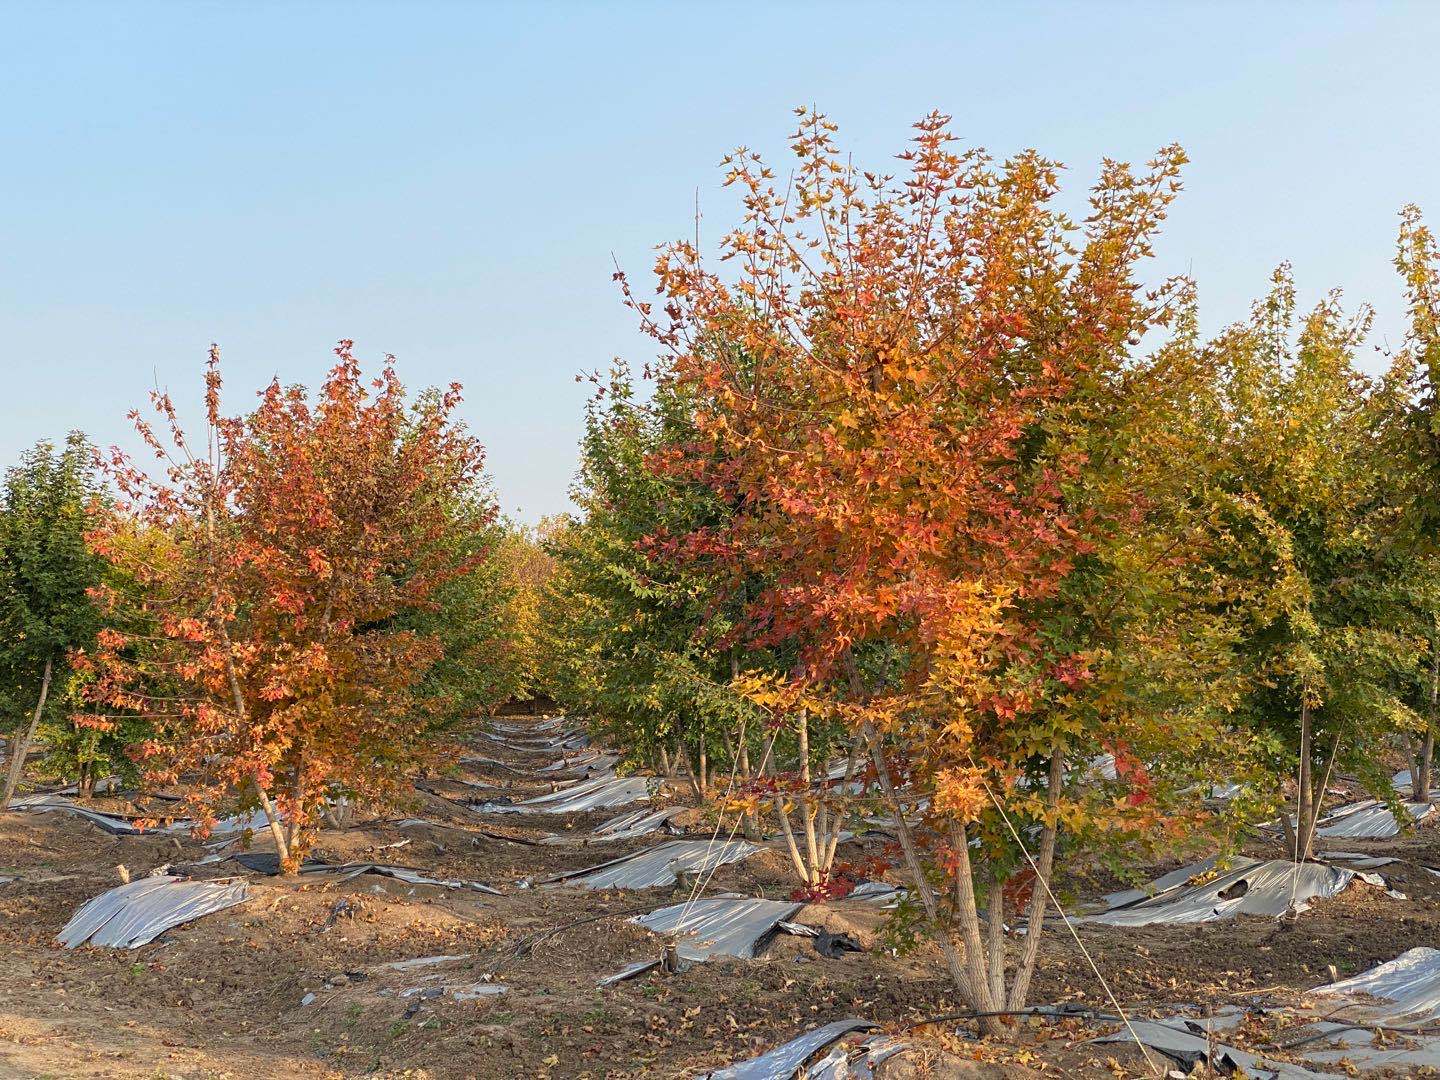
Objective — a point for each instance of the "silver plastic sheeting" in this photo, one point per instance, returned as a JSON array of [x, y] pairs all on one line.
[[124, 824], [591, 758], [598, 794], [563, 742], [657, 866], [1368, 820], [1356, 1046], [630, 825], [635, 823], [629, 971], [115, 824], [719, 925], [134, 914], [877, 892], [1186, 1042], [1410, 984], [1252, 887], [1160, 884], [786, 1060]]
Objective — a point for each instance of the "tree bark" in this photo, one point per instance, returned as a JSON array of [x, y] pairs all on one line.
[[1020, 987], [1420, 788], [995, 936], [968, 916], [1305, 795], [21, 749]]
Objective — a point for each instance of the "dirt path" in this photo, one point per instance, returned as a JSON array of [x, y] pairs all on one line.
[[221, 996]]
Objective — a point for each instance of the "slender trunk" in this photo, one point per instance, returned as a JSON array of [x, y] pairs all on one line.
[[665, 769], [272, 818], [839, 818], [807, 807], [1420, 790], [704, 767], [1050, 832], [908, 848], [796, 859], [87, 781], [1317, 797], [752, 817], [967, 913], [690, 770], [1304, 811], [1292, 838], [995, 936], [237, 696], [297, 815], [21, 747]]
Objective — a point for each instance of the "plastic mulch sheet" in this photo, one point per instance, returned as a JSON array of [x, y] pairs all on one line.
[[719, 925], [658, 866], [134, 914], [786, 1060]]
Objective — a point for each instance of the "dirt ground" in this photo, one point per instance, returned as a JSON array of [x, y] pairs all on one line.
[[221, 996]]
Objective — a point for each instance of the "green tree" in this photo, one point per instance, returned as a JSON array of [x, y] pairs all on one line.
[[47, 572], [1304, 531]]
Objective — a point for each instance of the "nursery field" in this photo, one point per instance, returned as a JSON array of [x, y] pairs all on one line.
[[339, 973], [953, 664]]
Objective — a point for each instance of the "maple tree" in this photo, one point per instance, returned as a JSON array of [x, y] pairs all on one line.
[[279, 562], [899, 391], [1321, 599], [638, 638], [46, 573], [1409, 459]]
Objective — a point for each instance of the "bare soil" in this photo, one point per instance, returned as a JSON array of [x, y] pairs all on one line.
[[221, 996]]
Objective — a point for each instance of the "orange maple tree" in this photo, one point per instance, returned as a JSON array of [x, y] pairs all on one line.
[[892, 381], [276, 564]]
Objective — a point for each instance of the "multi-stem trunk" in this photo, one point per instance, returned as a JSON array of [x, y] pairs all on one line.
[[966, 974], [20, 748], [812, 851], [1044, 871]]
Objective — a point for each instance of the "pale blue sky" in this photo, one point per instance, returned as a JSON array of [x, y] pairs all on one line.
[[448, 182]]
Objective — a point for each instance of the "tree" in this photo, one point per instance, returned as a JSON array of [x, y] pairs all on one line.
[[46, 574], [641, 643], [1412, 454], [898, 392], [1325, 638], [279, 566]]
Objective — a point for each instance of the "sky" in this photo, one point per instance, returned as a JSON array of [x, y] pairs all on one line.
[[453, 182]]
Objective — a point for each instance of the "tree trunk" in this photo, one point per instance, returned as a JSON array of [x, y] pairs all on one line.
[[1420, 788], [683, 751], [21, 748], [1317, 797], [277, 830], [752, 817], [1304, 810], [921, 883], [1020, 987], [967, 913], [995, 935]]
